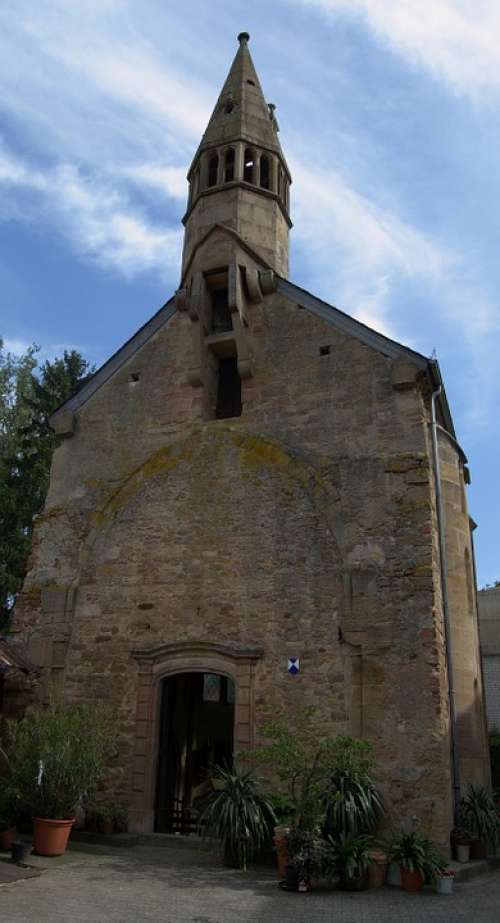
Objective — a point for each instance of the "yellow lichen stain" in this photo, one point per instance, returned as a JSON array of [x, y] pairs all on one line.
[[165, 459], [256, 452]]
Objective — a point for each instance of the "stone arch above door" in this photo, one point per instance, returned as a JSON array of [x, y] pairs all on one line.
[[156, 664]]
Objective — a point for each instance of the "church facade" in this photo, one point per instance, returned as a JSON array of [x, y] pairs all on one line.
[[259, 502]]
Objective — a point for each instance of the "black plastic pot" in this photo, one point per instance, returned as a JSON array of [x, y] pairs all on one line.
[[291, 878], [20, 851]]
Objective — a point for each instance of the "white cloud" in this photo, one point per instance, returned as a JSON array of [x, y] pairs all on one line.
[[169, 180], [455, 40], [97, 218], [366, 247]]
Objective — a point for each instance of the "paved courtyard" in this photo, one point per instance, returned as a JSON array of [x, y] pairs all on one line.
[[164, 885]]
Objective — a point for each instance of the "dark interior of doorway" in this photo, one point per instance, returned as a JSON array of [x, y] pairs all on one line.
[[196, 733]]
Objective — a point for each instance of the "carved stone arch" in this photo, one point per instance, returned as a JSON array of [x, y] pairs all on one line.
[[156, 664]]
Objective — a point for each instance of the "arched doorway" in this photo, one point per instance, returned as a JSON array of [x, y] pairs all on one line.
[[195, 733]]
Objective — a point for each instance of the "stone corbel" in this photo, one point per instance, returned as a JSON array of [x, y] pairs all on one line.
[[268, 281], [253, 287], [197, 309], [63, 423], [181, 299], [236, 300], [404, 375]]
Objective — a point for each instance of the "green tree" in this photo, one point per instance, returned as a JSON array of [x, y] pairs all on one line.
[[28, 396]]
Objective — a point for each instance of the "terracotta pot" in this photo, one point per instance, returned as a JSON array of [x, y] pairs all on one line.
[[378, 869], [50, 837], [411, 881], [478, 850], [106, 827], [7, 837], [281, 845]]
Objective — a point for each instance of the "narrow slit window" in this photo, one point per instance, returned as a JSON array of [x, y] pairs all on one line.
[[228, 390], [213, 168], [264, 172], [229, 166], [249, 166]]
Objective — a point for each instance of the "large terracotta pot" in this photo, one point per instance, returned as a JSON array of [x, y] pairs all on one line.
[[7, 837], [50, 837], [281, 844], [378, 868], [411, 881]]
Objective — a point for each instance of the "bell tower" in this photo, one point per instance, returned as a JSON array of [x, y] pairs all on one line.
[[238, 181]]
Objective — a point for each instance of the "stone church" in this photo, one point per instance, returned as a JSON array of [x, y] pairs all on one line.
[[259, 502]]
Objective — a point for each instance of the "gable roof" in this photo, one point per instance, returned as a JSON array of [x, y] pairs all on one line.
[[332, 315]]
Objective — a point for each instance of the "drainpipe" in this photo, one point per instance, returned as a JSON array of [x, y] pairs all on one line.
[[446, 607]]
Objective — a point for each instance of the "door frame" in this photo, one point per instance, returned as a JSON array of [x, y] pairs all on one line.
[[235, 661]]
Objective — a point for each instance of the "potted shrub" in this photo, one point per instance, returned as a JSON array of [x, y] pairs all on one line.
[[351, 854], [120, 818], [7, 815], [306, 850], [237, 815], [103, 813], [57, 757], [444, 881], [353, 803], [409, 850], [480, 819]]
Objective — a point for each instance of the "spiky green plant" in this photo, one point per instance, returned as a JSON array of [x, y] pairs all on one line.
[[353, 803], [237, 815], [479, 814], [410, 851]]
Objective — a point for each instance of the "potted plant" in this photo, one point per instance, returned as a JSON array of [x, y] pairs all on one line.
[[103, 813], [377, 870], [461, 840], [353, 803], [409, 850], [237, 815], [306, 850], [7, 816], [57, 756], [444, 881], [120, 818], [352, 858], [480, 819]]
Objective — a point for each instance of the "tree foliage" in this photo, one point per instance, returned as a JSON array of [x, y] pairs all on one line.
[[29, 394]]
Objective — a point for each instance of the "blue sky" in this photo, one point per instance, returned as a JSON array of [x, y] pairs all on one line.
[[389, 116]]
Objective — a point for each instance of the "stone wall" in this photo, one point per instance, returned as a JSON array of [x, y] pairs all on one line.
[[305, 527], [470, 708], [489, 622]]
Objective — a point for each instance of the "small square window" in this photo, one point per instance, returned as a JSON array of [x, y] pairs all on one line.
[[324, 350]]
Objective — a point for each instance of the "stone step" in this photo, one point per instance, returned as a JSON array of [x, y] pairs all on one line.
[[464, 871]]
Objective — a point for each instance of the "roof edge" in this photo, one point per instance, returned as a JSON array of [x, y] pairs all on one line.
[[118, 359]]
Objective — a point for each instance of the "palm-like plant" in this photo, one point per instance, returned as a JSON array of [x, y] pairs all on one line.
[[349, 856], [479, 814], [353, 803], [237, 815]]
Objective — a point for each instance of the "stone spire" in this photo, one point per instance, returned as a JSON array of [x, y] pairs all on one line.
[[239, 178], [241, 110]]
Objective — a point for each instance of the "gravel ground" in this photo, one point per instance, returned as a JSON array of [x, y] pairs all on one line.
[[150, 884]]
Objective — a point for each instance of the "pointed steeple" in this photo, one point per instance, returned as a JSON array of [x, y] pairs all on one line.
[[241, 110], [239, 179]]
